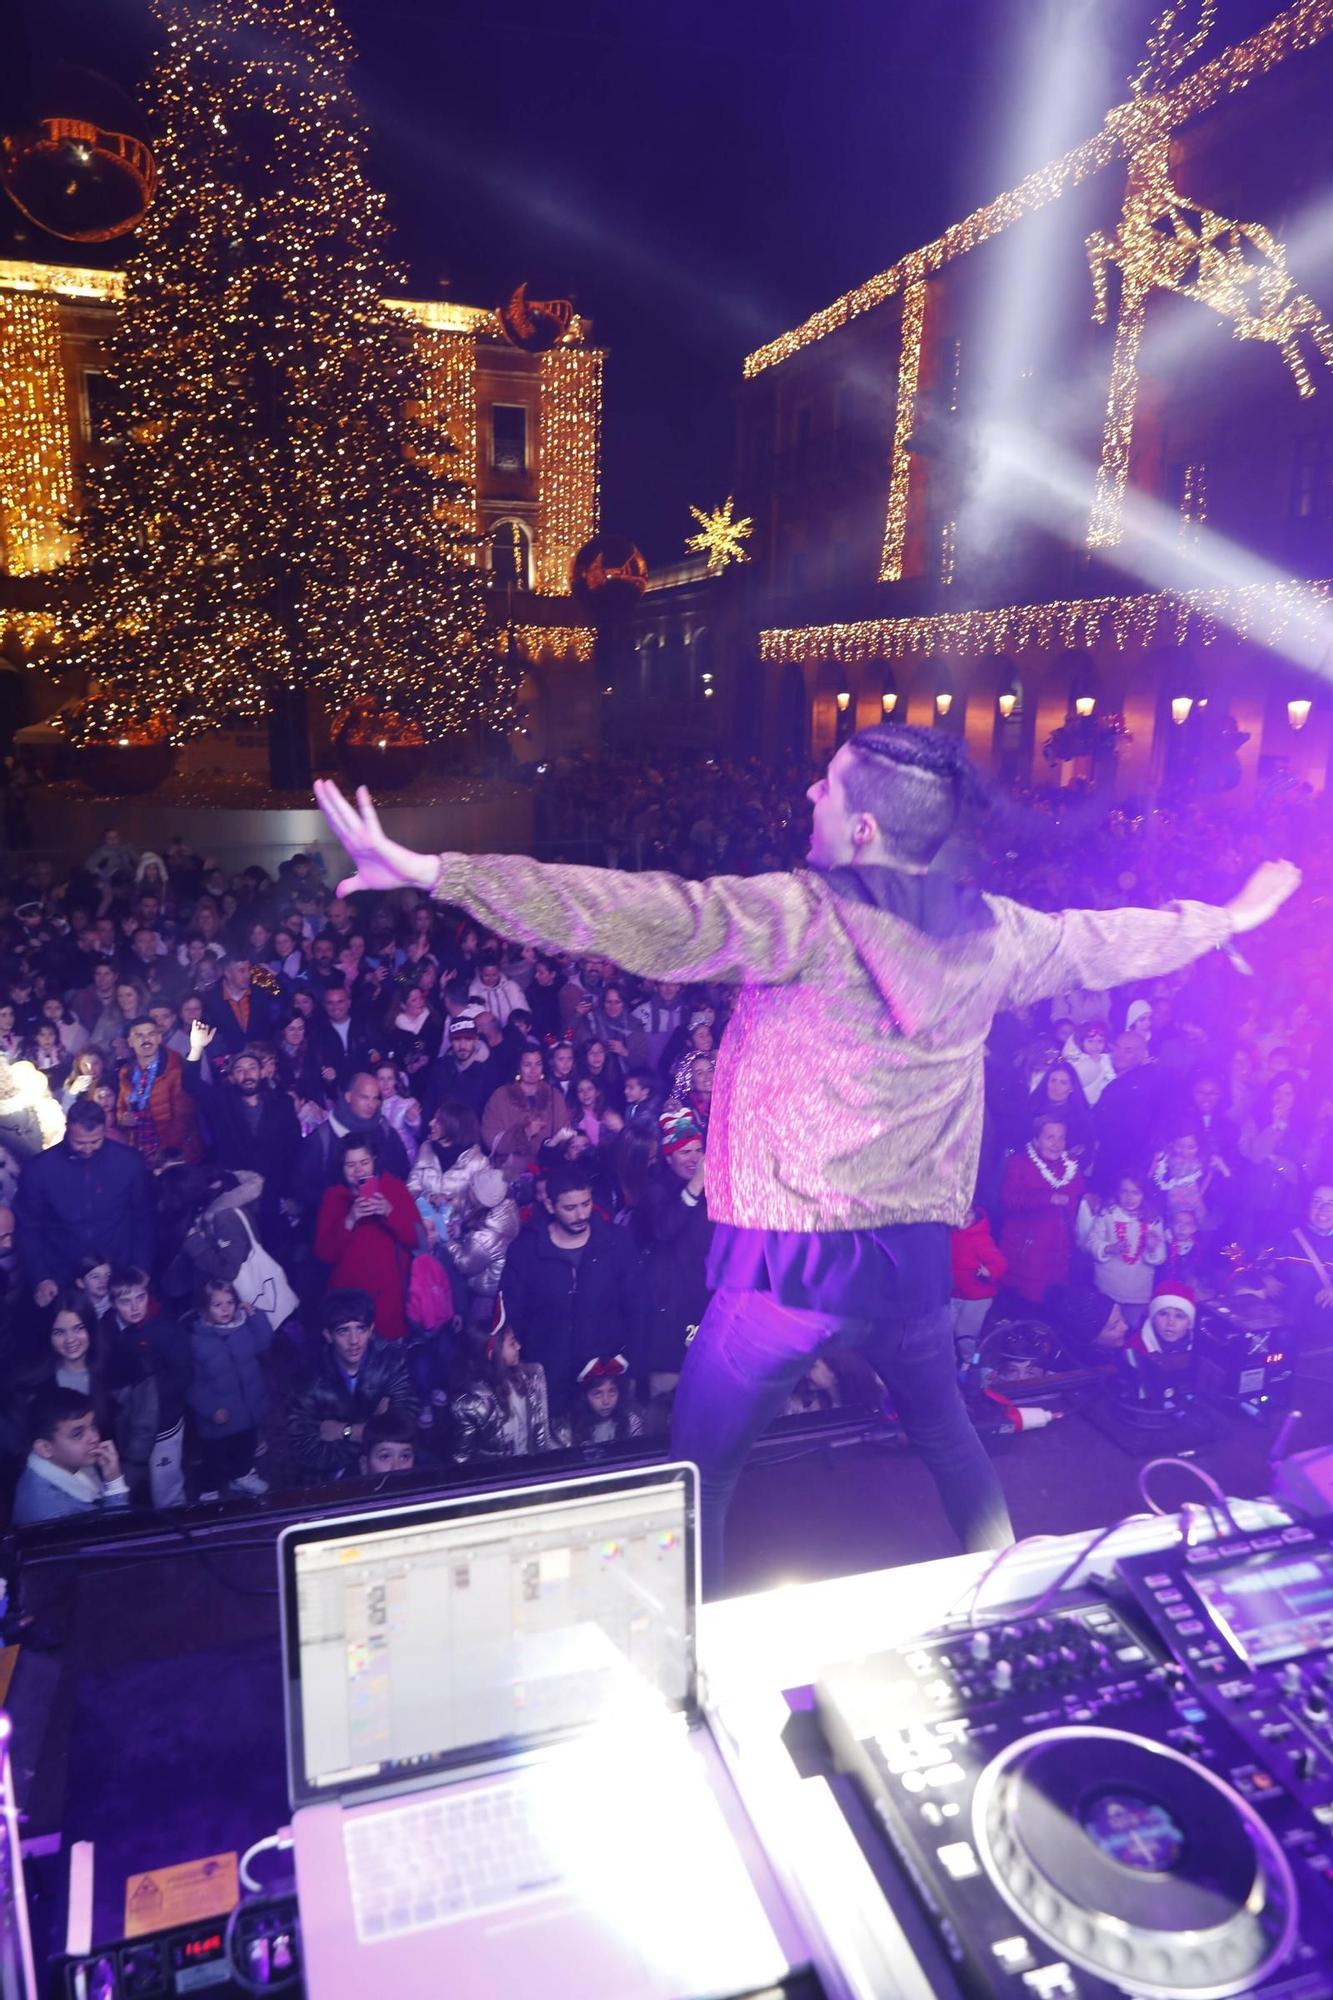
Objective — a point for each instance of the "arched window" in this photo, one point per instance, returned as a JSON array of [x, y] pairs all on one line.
[[509, 553]]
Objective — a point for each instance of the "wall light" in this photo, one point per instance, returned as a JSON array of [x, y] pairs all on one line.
[[1084, 705], [889, 702], [943, 701], [1181, 704], [844, 700], [1007, 703], [1298, 713]]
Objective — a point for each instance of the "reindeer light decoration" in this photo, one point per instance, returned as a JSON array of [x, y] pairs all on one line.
[[1166, 242]]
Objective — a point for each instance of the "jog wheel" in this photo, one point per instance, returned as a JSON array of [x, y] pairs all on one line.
[[1135, 1864]]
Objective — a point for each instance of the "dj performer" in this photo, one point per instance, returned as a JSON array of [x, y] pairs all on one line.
[[847, 1101]]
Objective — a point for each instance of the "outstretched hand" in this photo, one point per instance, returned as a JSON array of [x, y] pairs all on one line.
[[380, 862], [1264, 894]]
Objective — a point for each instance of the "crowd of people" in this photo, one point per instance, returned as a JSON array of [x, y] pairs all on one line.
[[296, 1190]]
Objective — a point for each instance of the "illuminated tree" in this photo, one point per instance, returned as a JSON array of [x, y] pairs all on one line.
[[273, 517]]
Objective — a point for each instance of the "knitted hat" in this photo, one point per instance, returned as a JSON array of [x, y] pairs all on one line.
[[490, 1187], [1179, 1296], [679, 1129]]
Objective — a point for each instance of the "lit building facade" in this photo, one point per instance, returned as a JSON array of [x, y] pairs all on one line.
[[520, 432], [981, 540]]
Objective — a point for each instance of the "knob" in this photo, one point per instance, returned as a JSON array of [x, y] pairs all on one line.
[[980, 1648], [1289, 1680], [1190, 1738], [1316, 1706], [1002, 1677], [1305, 1763]]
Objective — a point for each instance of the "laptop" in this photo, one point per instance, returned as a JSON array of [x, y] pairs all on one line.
[[501, 1771]]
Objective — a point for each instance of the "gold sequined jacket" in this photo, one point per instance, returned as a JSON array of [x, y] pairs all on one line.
[[848, 1090]]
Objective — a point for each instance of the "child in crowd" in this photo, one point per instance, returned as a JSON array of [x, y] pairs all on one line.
[[1127, 1244], [600, 1414], [387, 1445], [228, 1396], [1157, 1359], [72, 1469], [977, 1264], [499, 1409]]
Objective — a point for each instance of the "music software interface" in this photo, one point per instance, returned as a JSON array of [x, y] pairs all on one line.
[[1271, 1610], [424, 1640]]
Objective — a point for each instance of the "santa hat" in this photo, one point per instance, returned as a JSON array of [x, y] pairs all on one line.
[[604, 1367], [1179, 1296]]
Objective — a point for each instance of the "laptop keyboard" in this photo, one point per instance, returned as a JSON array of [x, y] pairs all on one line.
[[447, 1857]]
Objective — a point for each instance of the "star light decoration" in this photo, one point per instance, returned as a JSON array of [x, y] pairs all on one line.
[[720, 537]]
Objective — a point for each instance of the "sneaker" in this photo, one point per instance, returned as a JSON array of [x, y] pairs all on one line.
[[251, 1483]]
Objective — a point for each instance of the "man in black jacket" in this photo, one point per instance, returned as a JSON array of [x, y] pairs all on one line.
[[250, 1129], [463, 1073], [81, 1196], [572, 1286], [358, 1377], [339, 1043], [242, 1009]]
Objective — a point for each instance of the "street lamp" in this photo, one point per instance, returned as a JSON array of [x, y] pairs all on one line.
[[943, 701], [1084, 705], [1298, 712], [1181, 704], [889, 701], [1007, 703], [844, 700]]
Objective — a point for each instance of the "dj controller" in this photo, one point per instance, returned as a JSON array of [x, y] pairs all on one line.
[[1129, 1792]]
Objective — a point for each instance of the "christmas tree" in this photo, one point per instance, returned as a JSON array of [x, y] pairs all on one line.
[[272, 518]]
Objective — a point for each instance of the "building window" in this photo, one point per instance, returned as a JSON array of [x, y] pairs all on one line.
[[509, 437], [96, 412], [509, 553]]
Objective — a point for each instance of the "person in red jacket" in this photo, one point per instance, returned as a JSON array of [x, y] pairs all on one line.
[[154, 1111], [977, 1264], [1040, 1193], [366, 1232]]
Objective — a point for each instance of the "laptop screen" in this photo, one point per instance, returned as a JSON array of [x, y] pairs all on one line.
[[436, 1636]]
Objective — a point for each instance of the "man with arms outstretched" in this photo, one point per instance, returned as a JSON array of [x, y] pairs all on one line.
[[833, 1184]]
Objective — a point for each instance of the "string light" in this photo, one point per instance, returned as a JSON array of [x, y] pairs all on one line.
[[1166, 242], [556, 642], [569, 462], [36, 464], [720, 538], [1261, 611], [900, 459], [1296, 28], [1193, 500], [449, 410]]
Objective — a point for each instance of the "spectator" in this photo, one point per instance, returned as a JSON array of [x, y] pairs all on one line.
[[1302, 1270], [401, 1112], [521, 1116], [228, 1397], [463, 1074], [250, 1129], [243, 1006], [147, 1367], [72, 1470], [387, 1446], [1127, 1111], [358, 1379], [415, 1034], [672, 1227], [359, 1112], [82, 1196], [30, 1118], [298, 1066], [483, 1224], [366, 1232], [1042, 1188], [496, 994], [153, 1105], [1061, 1094], [499, 1408], [449, 1160], [570, 1281], [341, 1049], [978, 1267], [601, 1415], [1126, 1241]]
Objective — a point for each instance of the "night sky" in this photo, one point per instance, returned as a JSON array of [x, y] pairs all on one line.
[[697, 175]]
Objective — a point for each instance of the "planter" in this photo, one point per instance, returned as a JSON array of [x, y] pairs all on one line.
[[121, 770]]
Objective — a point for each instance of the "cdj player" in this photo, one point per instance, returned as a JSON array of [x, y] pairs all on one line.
[[1131, 1794]]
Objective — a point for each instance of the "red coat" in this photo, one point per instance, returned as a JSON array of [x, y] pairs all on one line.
[[170, 1106], [970, 1246], [1037, 1235], [375, 1255]]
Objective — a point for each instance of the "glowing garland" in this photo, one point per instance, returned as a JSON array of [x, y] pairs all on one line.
[[31, 628], [556, 642], [36, 466], [568, 463], [1298, 27], [1263, 612], [720, 537], [900, 461], [449, 409]]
